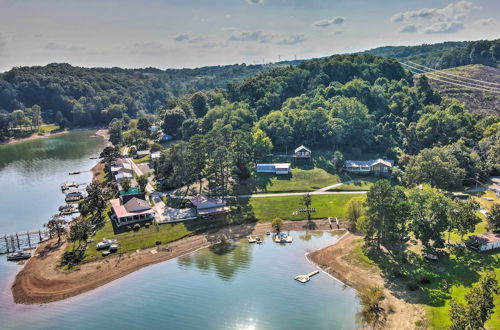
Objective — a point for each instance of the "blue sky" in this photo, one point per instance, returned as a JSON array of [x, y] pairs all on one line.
[[192, 33]]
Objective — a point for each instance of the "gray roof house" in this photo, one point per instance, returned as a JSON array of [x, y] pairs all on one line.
[[375, 166], [302, 152]]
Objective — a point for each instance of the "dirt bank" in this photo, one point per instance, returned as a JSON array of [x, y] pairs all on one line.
[[41, 281], [339, 260]]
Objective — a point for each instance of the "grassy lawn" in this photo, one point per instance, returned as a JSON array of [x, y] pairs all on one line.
[[47, 128], [360, 185], [142, 160], [268, 208], [302, 179], [461, 270]]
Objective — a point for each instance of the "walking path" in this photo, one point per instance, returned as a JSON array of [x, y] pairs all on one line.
[[303, 193], [335, 185]]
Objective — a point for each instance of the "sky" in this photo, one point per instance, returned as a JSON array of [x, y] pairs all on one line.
[[194, 33]]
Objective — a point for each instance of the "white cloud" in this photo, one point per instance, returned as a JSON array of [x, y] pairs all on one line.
[[149, 48], [52, 46], [453, 11], [259, 36], [292, 40], [409, 28], [254, 2], [485, 22], [444, 27], [187, 37], [328, 22]]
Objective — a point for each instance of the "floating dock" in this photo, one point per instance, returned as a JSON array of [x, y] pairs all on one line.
[[307, 277]]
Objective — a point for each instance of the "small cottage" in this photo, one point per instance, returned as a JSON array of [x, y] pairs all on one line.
[[302, 152], [373, 166], [485, 242], [277, 168]]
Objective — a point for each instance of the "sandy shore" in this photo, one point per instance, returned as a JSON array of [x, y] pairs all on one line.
[[41, 281], [339, 261], [34, 137]]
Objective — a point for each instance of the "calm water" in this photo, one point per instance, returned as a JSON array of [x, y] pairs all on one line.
[[236, 286], [31, 174]]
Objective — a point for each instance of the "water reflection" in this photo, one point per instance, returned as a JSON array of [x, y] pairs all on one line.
[[225, 259]]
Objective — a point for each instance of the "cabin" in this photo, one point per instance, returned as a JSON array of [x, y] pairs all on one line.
[[277, 168], [302, 152], [131, 208], [485, 242], [206, 205], [141, 154], [374, 166], [122, 176]]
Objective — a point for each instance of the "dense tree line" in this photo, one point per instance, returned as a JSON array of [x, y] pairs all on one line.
[[446, 55], [84, 96]]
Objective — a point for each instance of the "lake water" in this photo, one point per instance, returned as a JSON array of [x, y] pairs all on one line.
[[232, 286]]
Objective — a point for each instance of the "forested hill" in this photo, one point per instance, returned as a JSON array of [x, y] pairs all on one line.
[[80, 94], [445, 55]]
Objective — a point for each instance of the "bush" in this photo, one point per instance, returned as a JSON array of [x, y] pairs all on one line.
[[412, 285]]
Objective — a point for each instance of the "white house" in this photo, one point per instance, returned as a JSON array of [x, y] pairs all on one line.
[[277, 168], [129, 209], [302, 152], [376, 166], [487, 241]]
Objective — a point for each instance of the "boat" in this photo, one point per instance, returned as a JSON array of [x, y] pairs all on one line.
[[68, 185], [73, 198], [105, 243], [74, 173], [67, 209], [268, 233], [283, 238], [19, 255], [251, 239], [258, 240], [113, 248]]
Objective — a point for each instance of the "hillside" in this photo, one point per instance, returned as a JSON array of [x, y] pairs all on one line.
[[468, 84], [445, 55]]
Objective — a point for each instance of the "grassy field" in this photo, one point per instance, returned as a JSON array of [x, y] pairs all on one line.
[[302, 179], [268, 208], [142, 160], [47, 128], [360, 185]]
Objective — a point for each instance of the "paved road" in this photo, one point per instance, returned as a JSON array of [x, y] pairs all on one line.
[[136, 169], [303, 193]]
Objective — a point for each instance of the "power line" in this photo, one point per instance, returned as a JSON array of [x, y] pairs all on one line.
[[453, 75], [451, 82]]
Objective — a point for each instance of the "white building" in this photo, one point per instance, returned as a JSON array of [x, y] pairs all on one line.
[[277, 168], [487, 241]]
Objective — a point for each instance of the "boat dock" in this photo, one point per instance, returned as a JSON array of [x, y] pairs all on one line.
[[305, 278], [19, 241]]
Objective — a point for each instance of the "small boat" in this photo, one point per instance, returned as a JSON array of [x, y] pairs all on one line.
[[94, 157], [73, 198], [258, 240], [105, 253], [268, 233], [19, 255], [68, 185], [113, 248], [67, 209], [74, 173], [105, 243], [283, 238], [251, 239]]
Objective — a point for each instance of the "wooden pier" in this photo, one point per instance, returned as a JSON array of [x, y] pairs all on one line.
[[21, 241], [305, 278]]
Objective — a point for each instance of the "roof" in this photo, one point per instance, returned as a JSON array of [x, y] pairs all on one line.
[[123, 175], [136, 207], [302, 147], [371, 162], [282, 166], [205, 202], [487, 238], [155, 155]]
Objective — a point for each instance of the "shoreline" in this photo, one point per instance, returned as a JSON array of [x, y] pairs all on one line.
[[41, 281], [337, 260], [102, 133]]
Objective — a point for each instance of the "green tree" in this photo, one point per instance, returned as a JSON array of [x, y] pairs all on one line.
[[353, 211], [199, 104], [429, 213], [277, 224], [494, 217], [125, 184], [372, 313], [172, 121], [463, 218], [108, 155], [261, 145], [79, 232], [386, 213], [115, 132], [95, 201], [437, 167], [144, 125], [307, 201], [36, 115], [142, 181], [338, 161], [56, 226], [479, 304]]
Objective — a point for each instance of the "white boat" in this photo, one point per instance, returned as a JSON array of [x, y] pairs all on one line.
[[251, 239], [283, 238], [106, 243]]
